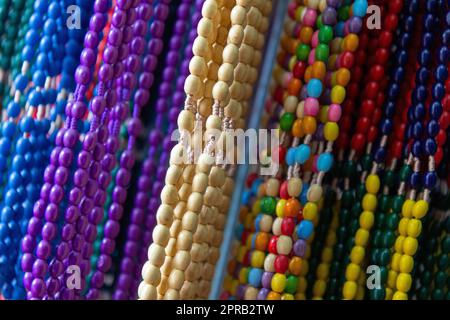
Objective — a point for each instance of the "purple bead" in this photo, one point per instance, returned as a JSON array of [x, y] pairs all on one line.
[[83, 75], [72, 214], [37, 288], [28, 243], [91, 40], [266, 279], [262, 294], [329, 16], [300, 248], [39, 268], [27, 262], [355, 25]]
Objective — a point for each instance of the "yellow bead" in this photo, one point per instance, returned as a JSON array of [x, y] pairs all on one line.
[[243, 275], [400, 296], [398, 246], [369, 202], [319, 288], [323, 271], [257, 259], [323, 114], [305, 266], [300, 296], [327, 255], [392, 278], [351, 42], [278, 282], [357, 254], [360, 293], [404, 281], [420, 209], [256, 208], [248, 242], [287, 296], [302, 284], [366, 220], [406, 263], [310, 211], [410, 246], [414, 228], [361, 237], [407, 208], [279, 210], [389, 294], [372, 183], [403, 226], [331, 131], [395, 262], [352, 272], [248, 223], [338, 94], [234, 286], [342, 76], [349, 290]]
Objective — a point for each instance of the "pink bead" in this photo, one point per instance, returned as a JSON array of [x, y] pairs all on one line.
[[315, 39], [312, 56], [311, 107], [310, 18], [334, 112]]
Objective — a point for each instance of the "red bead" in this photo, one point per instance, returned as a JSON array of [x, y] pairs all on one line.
[[372, 90], [376, 72], [445, 120], [278, 95], [400, 131], [382, 55], [376, 116], [272, 246], [347, 60], [284, 190], [299, 69], [287, 226], [372, 134], [246, 260], [280, 153], [395, 6], [358, 142], [367, 107], [362, 125], [342, 141], [281, 264], [390, 22], [352, 90], [441, 137], [250, 179], [385, 39], [438, 156], [244, 236], [397, 149], [345, 124]]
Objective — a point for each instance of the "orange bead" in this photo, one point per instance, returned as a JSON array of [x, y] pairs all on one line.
[[342, 77], [273, 296], [319, 70], [231, 266], [306, 34], [243, 213], [309, 164], [331, 65], [261, 241], [308, 74], [351, 42], [292, 47], [297, 129], [292, 208], [295, 265], [309, 125], [294, 86]]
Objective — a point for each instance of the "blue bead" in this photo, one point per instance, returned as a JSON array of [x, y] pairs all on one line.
[[393, 92], [339, 29], [27, 124], [441, 73], [429, 22], [302, 153], [18, 163], [390, 109], [39, 78], [427, 42], [15, 180], [255, 185], [315, 88], [36, 21], [5, 145], [13, 109], [446, 37], [430, 146], [50, 27], [399, 74], [290, 156], [21, 82], [11, 197], [254, 277], [414, 180], [257, 222], [433, 128], [3, 231], [45, 44], [438, 91], [28, 53], [246, 197], [32, 37], [35, 98], [42, 61], [305, 229], [386, 126], [417, 130], [54, 10], [325, 162], [7, 214], [304, 195], [360, 8], [436, 110], [420, 93], [425, 57], [40, 6], [417, 149], [422, 75], [23, 145], [444, 54], [430, 180], [380, 155]]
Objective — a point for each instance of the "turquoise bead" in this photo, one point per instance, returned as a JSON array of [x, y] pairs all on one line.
[[325, 162], [360, 8], [302, 153], [314, 88], [290, 156], [254, 277], [305, 229]]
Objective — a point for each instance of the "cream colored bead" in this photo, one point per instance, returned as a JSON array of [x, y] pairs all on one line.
[[197, 66], [175, 229], [233, 109], [222, 34], [217, 240], [259, 44], [204, 163], [151, 274], [161, 235], [213, 123], [184, 240], [184, 192], [228, 186], [231, 54], [244, 3], [248, 91], [246, 53], [276, 227], [295, 187], [213, 255], [241, 72], [163, 286], [251, 293], [250, 35], [217, 51], [216, 177], [267, 8], [272, 187], [213, 69], [147, 291], [179, 210], [205, 27], [264, 25], [176, 279], [171, 247], [265, 224], [192, 85], [226, 72], [219, 224], [314, 193], [300, 111], [187, 291], [171, 294], [290, 104], [164, 215], [196, 252], [208, 271], [209, 9], [190, 221], [200, 47], [254, 17], [173, 174], [252, 75], [284, 245], [169, 195], [269, 262], [221, 91], [236, 90], [167, 266], [235, 35], [211, 196], [156, 254], [195, 202], [205, 106], [200, 182], [188, 173], [238, 15], [178, 155], [181, 260]]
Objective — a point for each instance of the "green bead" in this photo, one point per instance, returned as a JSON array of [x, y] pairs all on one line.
[[438, 294], [405, 172], [366, 162], [392, 221], [440, 279], [291, 284], [384, 203], [354, 225], [341, 232], [302, 52], [384, 256], [347, 198], [360, 191], [325, 34], [286, 121], [343, 13], [344, 216], [319, 22], [429, 262], [268, 205], [383, 274], [446, 245], [375, 256], [322, 52], [377, 294], [377, 238], [426, 278], [389, 178], [397, 204], [424, 293], [380, 219], [388, 239]]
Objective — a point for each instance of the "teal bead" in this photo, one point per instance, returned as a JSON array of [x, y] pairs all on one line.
[[388, 239], [366, 162], [405, 172], [438, 294], [384, 203], [344, 216], [384, 257], [397, 203], [380, 220], [389, 178], [360, 8], [314, 88], [440, 279], [446, 245], [443, 262], [377, 238], [426, 278], [286, 121], [384, 271], [325, 162], [424, 293], [347, 198], [302, 153], [392, 221], [377, 294]]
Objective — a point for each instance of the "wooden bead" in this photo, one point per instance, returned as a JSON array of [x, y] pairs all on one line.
[[209, 9], [314, 193], [254, 17], [192, 85], [241, 72], [181, 260], [171, 247], [217, 51], [236, 90], [205, 105], [188, 173], [161, 235], [235, 35], [263, 25], [221, 91], [222, 34], [173, 174], [169, 195], [184, 240], [290, 104], [190, 221], [217, 240], [233, 109], [151, 274], [267, 8], [252, 77], [164, 215], [147, 291], [167, 266], [200, 47], [226, 72], [295, 187], [204, 163], [259, 44], [213, 70], [197, 66], [246, 53], [179, 210], [213, 255], [272, 187], [205, 27], [216, 177], [195, 202], [187, 291], [238, 15], [192, 272], [175, 229], [156, 254], [196, 252]]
